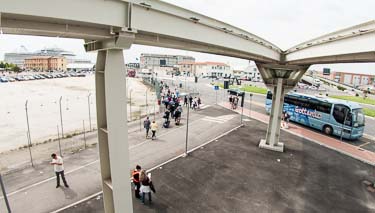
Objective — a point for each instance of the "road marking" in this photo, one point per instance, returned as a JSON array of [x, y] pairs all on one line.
[[364, 144], [153, 168], [88, 164], [220, 119], [148, 140], [203, 106], [48, 179], [78, 202], [370, 137]]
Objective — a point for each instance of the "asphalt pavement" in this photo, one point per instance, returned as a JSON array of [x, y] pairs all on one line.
[[33, 189], [231, 174]]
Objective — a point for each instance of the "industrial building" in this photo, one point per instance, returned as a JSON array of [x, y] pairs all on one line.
[[148, 61]]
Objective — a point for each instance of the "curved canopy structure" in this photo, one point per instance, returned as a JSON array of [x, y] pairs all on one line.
[[109, 26]]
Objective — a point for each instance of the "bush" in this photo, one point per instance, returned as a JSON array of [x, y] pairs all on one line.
[[341, 88], [356, 94]]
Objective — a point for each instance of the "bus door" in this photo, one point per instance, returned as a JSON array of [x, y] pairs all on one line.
[[343, 118]]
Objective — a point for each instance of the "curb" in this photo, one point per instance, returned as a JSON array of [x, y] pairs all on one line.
[[322, 144]]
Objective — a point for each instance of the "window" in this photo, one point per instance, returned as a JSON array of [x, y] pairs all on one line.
[[340, 112]]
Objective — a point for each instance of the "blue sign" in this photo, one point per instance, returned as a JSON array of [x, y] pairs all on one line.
[[216, 87]]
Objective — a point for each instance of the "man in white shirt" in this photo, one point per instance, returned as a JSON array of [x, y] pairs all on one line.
[[57, 163]]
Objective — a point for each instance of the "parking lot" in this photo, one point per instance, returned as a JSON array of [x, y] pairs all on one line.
[[28, 76]]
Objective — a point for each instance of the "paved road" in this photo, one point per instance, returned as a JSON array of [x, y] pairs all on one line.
[[209, 96]]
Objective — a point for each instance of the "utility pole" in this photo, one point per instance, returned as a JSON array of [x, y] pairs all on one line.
[[88, 101], [62, 126], [4, 194], [58, 137], [28, 134], [130, 104], [187, 132], [251, 98]]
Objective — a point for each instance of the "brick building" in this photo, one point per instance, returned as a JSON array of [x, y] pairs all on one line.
[[352, 79], [46, 63]]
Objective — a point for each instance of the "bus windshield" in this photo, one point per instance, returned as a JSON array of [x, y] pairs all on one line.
[[358, 118]]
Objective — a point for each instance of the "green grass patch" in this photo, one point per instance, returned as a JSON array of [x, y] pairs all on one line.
[[254, 89], [369, 112], [247, 88], [356, 99]]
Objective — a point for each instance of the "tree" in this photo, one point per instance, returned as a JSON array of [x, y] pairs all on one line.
[[16, 69], [2, 65]]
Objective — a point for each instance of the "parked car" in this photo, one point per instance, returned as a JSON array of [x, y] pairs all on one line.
[[313, 87], [10, 79], [81, 75], [3, 79], [20, 78]]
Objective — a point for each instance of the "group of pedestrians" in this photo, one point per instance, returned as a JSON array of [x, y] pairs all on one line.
[[193, 103], [148, 125], [233, 100], [142, 184]]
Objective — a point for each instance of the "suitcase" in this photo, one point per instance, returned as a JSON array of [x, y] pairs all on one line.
[[166, 124]]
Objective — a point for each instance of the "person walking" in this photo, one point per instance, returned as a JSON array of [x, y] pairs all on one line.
[[145, 186], [154, 127], [185, 100], [190, 102], [136, 181], [58, 166], [146, 125], [199, 102], [231, 102]]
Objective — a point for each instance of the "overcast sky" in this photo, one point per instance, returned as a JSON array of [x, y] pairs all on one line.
[[282, 22]]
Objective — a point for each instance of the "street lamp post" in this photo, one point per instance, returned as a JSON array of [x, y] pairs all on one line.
[[251, 98], [88, 102], [187, 132], [146, 103], [130, 104], [28, 134], [58, 137], [62, 126]]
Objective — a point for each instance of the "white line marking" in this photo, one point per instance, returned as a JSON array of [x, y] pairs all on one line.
[[170, 131], [78, 202], [81, 167], [215, 121], [48, 179], [153, 168]]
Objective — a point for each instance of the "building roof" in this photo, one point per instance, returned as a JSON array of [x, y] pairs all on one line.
[[43, 57], [349, 73], [203, 63]]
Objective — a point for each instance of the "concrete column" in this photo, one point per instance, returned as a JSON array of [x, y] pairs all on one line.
[[112, 130], [280, 79], [273, 132]]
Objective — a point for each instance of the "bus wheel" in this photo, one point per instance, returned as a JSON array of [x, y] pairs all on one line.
[[327, 130]]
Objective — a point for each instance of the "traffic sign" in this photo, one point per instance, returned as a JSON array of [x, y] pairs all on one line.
[[216, 87]]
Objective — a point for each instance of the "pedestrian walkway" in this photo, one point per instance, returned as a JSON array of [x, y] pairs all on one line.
[[219, 119], [329, 142], [38, 192]]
